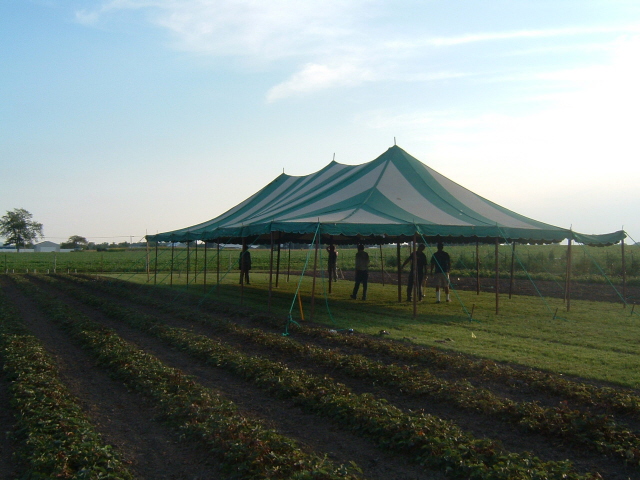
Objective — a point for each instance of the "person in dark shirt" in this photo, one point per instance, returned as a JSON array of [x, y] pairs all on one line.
[[441, 263], [245, 265], [333, 262], [421, 264], [362, 273]]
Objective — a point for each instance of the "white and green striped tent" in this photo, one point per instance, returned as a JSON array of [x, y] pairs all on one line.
[[387, 200]]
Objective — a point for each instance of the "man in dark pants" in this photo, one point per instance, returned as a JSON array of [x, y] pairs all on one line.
[[362, 272], [442, 264], [421, 265], [245, 265]]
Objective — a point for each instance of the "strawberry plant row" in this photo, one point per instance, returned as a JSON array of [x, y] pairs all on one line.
[[598, 432], [245, 446], [57, 440], [432, 441], [615, 400]]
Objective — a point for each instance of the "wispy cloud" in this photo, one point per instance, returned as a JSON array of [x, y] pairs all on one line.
[[330, 43]]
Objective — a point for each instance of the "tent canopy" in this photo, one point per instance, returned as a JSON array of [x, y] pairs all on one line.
[[386, 200]]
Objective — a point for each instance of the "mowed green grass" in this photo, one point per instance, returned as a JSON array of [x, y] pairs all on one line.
[[595, 340]]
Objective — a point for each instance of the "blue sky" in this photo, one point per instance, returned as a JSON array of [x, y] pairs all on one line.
[[125, 117]]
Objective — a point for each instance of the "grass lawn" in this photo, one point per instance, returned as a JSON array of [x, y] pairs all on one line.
[[595, 340]]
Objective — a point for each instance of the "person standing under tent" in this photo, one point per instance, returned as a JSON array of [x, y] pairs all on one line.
[[333, 262], [245, 265], [421, 264], [441, 262], [362, 272]]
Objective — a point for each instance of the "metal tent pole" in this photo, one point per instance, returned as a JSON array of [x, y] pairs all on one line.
[[567, 288], [315, 270], [270, 274], [513, 258], [477, 268], [624, 276], [414, 262], [497, 277], [399, 272]]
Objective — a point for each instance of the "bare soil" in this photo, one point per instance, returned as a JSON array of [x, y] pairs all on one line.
[[129, 422]]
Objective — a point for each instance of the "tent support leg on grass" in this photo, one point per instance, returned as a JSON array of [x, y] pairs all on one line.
[[171, 273], [188, 258], [270, 275], [204, 278], [624, 277], [399, 272], [414, 268], [155, 267], [313, 284], [477, 268], [567, 287], [497, 277], [278, 261], [513, 258]]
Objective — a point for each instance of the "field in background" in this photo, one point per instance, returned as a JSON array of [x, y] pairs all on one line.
[[543, 262]]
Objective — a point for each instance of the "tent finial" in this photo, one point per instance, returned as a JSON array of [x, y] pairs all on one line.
[[394, 141], [334, 156]]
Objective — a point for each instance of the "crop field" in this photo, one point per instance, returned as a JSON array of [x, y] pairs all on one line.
[[104, 378]]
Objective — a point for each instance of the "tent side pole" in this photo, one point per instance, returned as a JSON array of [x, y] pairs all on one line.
[[329, 269], [289, 263], [382, 265], [567, 288], [155, 267], [624, 276], [477, 268], [244, 244], [278, 260], [195, 265], [149, 265], [497, 277], [313, 283], [204, 272], [171, 273], [414, 262], [188, 259], [399, 272], [513, 258], [270, 274]]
